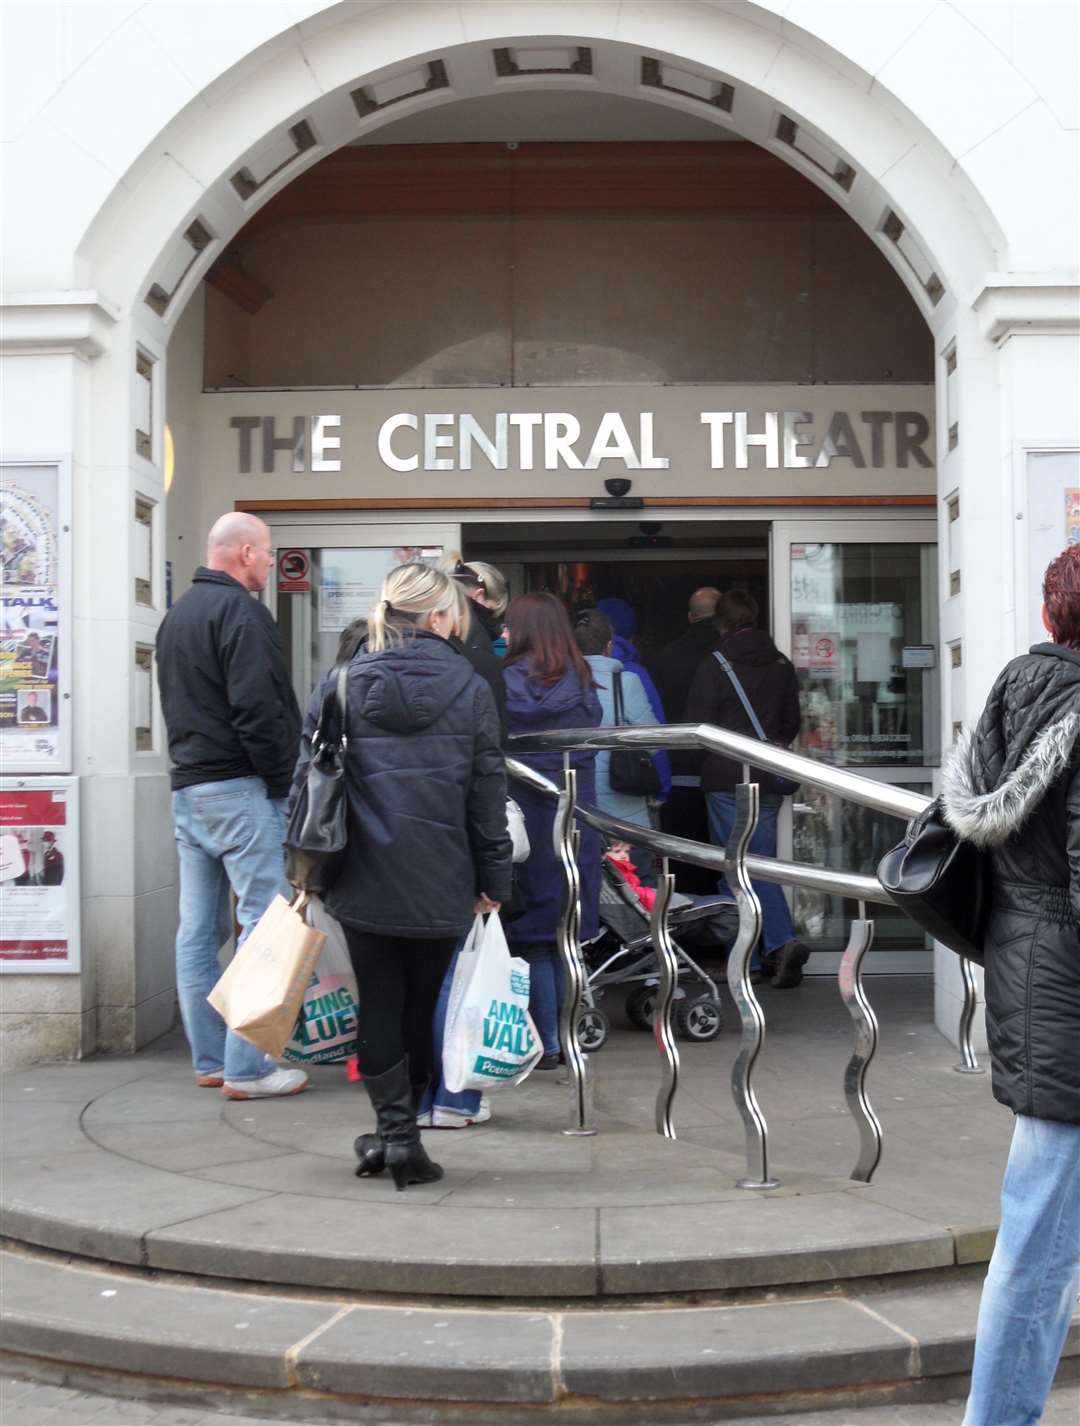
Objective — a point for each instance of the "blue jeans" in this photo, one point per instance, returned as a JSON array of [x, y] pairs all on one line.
[[466, 1101], [776, 927], [546, 992], [227, 834], [1034, 1277]]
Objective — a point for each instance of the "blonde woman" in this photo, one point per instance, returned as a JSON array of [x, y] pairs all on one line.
[[427, 842]]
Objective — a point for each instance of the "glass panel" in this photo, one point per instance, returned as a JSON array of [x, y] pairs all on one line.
[[864, 644], [833, 833], [344, 584]]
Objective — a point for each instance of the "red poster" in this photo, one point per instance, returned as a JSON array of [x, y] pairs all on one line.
[[39, 866]]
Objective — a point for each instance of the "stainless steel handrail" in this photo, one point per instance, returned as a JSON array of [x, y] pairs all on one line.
[[812, 878], [880, 796]]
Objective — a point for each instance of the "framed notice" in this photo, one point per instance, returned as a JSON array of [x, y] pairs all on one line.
[[39, 874], [35, 623], [1051, 504]]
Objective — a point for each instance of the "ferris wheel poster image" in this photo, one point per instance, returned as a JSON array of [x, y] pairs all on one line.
[[34, 628], [39, 875]]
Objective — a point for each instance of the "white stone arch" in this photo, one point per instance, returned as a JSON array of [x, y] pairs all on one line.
[[777, 71]]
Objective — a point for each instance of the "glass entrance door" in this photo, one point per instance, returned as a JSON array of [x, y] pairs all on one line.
[[855, 608], [328, 576]]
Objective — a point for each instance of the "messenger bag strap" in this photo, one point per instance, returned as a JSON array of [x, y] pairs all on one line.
[[755, 722], [616, 685]]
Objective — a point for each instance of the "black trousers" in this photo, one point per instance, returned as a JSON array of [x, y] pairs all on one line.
[[398, 980]]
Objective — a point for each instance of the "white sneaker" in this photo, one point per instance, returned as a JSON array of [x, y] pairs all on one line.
[[451, 1119], [274, 1085], [423, 1119]]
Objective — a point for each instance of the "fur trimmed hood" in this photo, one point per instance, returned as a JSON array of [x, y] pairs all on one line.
[[1027, 738], [990, 818]]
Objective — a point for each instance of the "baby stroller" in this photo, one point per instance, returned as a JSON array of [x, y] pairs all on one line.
[[624, 955]]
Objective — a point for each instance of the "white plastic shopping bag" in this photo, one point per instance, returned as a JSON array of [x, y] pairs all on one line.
[[490, 1037], [325, 1031]]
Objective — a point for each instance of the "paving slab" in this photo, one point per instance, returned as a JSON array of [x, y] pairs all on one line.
[[728, 1352], [69, 1314], [32, 1128], [446, 1356], [367, 1246], [766, 1241], [184, 1146], [100, 1206]]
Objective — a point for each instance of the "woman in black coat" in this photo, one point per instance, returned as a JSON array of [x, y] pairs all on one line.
[[1013, 788], [428, 846]]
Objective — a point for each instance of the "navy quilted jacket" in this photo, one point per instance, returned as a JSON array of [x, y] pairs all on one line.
[[426, 787], [1013, 788]]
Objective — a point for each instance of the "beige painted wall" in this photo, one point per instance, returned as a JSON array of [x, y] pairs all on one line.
[[569, 301]]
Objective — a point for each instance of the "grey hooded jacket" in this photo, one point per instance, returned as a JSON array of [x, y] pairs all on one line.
[[425, 783], [1013, 788]]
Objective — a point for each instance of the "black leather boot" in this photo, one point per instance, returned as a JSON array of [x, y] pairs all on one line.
[[395, 1109], [370, 1150]]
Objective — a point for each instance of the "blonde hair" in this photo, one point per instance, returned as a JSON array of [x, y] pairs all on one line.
[[408, 593], [495, 585]]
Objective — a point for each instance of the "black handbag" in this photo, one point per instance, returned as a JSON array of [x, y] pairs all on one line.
[[941, 882], [630, 770], [316, 834], [783, 785]]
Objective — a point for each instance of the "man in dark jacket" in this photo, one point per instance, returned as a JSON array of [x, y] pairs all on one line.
[[683, 814], [234, 733], [769, 681], [1013, 788]]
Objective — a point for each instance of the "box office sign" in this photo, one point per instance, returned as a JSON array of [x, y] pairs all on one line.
[[39, 874], [866, 437], [35, 659]]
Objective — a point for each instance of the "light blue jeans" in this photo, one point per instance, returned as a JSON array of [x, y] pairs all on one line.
[[776, 927], [227, 834], [465, 1101], [1034, 1277]]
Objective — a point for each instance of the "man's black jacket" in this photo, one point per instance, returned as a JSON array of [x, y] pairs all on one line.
[[770, 683], [673, 673], [228, 703]]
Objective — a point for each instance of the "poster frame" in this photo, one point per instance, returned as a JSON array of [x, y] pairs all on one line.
[[72, 965], [63, 765], [1027, 621]]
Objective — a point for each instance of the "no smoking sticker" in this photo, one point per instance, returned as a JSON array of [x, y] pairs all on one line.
[[294, 572]]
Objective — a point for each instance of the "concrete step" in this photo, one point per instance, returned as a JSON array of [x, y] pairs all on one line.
[[330, 1356]]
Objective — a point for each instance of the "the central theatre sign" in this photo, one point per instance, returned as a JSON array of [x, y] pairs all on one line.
[[410, 441]]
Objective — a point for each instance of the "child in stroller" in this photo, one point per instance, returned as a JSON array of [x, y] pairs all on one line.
[[623, 955]]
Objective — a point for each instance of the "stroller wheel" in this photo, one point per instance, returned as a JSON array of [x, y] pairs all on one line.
[[592, 1028], [641, 1006], [700, 1019]]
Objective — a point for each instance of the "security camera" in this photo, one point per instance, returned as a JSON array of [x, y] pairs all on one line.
[[618, 486]]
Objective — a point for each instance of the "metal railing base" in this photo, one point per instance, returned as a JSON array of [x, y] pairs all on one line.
[[764, 1183]]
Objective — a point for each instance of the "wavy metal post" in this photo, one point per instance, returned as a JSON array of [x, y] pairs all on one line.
[[747, 796], [568, 939], [969, 1064], [665, 999], [866, 1042]]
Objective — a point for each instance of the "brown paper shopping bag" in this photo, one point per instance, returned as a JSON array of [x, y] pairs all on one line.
[[261, 990]]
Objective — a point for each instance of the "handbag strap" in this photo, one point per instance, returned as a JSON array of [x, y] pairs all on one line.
[[755, 722], [616, 684], [338, 695]]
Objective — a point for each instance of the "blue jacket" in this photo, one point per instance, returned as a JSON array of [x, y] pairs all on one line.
[[636, 712], [624, 622], [532, 707]]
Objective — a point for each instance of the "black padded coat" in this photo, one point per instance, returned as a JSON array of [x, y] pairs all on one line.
[[1013, 788], [426, 786]]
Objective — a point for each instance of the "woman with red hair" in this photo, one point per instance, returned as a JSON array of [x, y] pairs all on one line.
[[1013, 788], [549, 686]]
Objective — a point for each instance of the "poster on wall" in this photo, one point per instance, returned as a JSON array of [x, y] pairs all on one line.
[[39, 874], [35, 661], [1053, 521], [350, 580]]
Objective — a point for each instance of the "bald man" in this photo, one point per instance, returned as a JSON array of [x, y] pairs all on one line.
[[234, 734]]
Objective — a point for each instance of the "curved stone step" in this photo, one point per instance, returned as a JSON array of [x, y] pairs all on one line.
[[126, 1162], [303, 1357]]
